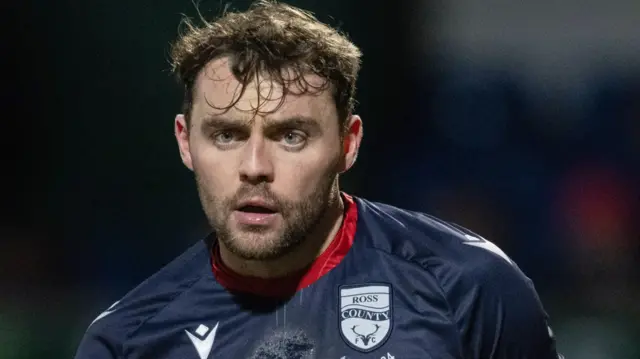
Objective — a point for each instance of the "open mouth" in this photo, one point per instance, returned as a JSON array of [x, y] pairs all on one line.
[[256, 209], [256, 212]]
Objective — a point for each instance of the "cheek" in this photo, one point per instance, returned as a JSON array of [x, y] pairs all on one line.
[[302, 177], [216, 172]]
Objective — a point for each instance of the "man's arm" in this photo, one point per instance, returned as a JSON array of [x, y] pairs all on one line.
[[506, 321], [98, 342], [96, 346], [497, 308]]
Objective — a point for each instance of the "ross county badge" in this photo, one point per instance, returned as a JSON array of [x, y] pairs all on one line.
[[365, 315]]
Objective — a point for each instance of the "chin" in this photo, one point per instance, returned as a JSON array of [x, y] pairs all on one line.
[[258, 254], [257, 246]]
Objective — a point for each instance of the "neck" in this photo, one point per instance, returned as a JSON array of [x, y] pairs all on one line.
[[315, 243]]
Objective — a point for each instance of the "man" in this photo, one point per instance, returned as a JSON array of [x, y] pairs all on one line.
[[295, 268]]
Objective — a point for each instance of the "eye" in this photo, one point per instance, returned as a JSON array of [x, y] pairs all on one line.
[[224, 137], [293, 138]]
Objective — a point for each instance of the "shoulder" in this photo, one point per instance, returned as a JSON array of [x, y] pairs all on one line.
[[429, 238], [149, 298], [444, 249], [487, 294]]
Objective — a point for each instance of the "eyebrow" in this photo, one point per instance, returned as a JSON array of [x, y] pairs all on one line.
[[297, 121], [221, 121]]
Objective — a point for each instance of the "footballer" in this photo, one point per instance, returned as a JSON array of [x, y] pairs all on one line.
[[294, 267]]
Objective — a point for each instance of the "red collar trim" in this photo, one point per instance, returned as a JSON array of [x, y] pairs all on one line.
[[328, 260]]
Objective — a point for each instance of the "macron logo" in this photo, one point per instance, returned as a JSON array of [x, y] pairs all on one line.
[[203, 339]]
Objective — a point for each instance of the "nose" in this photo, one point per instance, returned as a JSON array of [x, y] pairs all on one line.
[[256, 165]]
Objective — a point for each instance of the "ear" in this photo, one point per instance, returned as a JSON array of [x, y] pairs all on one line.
[[352, 140], [182, 137]]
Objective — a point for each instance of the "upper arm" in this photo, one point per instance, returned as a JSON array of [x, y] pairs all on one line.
[[505, 320], [100, 341], [96, 346], [497, 309]]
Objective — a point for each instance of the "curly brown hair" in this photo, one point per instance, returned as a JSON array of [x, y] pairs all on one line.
[[271, 39]]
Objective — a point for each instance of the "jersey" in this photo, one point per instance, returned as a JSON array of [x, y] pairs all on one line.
[[392, 284]]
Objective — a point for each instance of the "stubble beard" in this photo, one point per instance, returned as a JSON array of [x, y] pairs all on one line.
[[300, 219]]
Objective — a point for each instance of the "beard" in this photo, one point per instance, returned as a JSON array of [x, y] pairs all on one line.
[[299, 218]]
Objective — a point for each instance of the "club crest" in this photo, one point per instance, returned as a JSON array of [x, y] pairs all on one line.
[[365, 315]]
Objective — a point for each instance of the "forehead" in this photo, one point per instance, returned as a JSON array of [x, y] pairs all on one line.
[[217, 88]]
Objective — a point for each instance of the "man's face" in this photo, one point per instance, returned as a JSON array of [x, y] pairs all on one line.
[[264, 180]]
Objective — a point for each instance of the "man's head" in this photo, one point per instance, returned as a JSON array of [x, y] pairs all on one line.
[[267, 123]]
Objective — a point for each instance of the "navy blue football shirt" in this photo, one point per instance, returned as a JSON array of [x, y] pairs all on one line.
[[392, 284]]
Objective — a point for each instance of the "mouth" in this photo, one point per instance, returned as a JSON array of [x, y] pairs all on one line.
[[256, 207], [256, 212]]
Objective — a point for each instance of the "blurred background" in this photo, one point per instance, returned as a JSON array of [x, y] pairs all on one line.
[[517, 119]]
